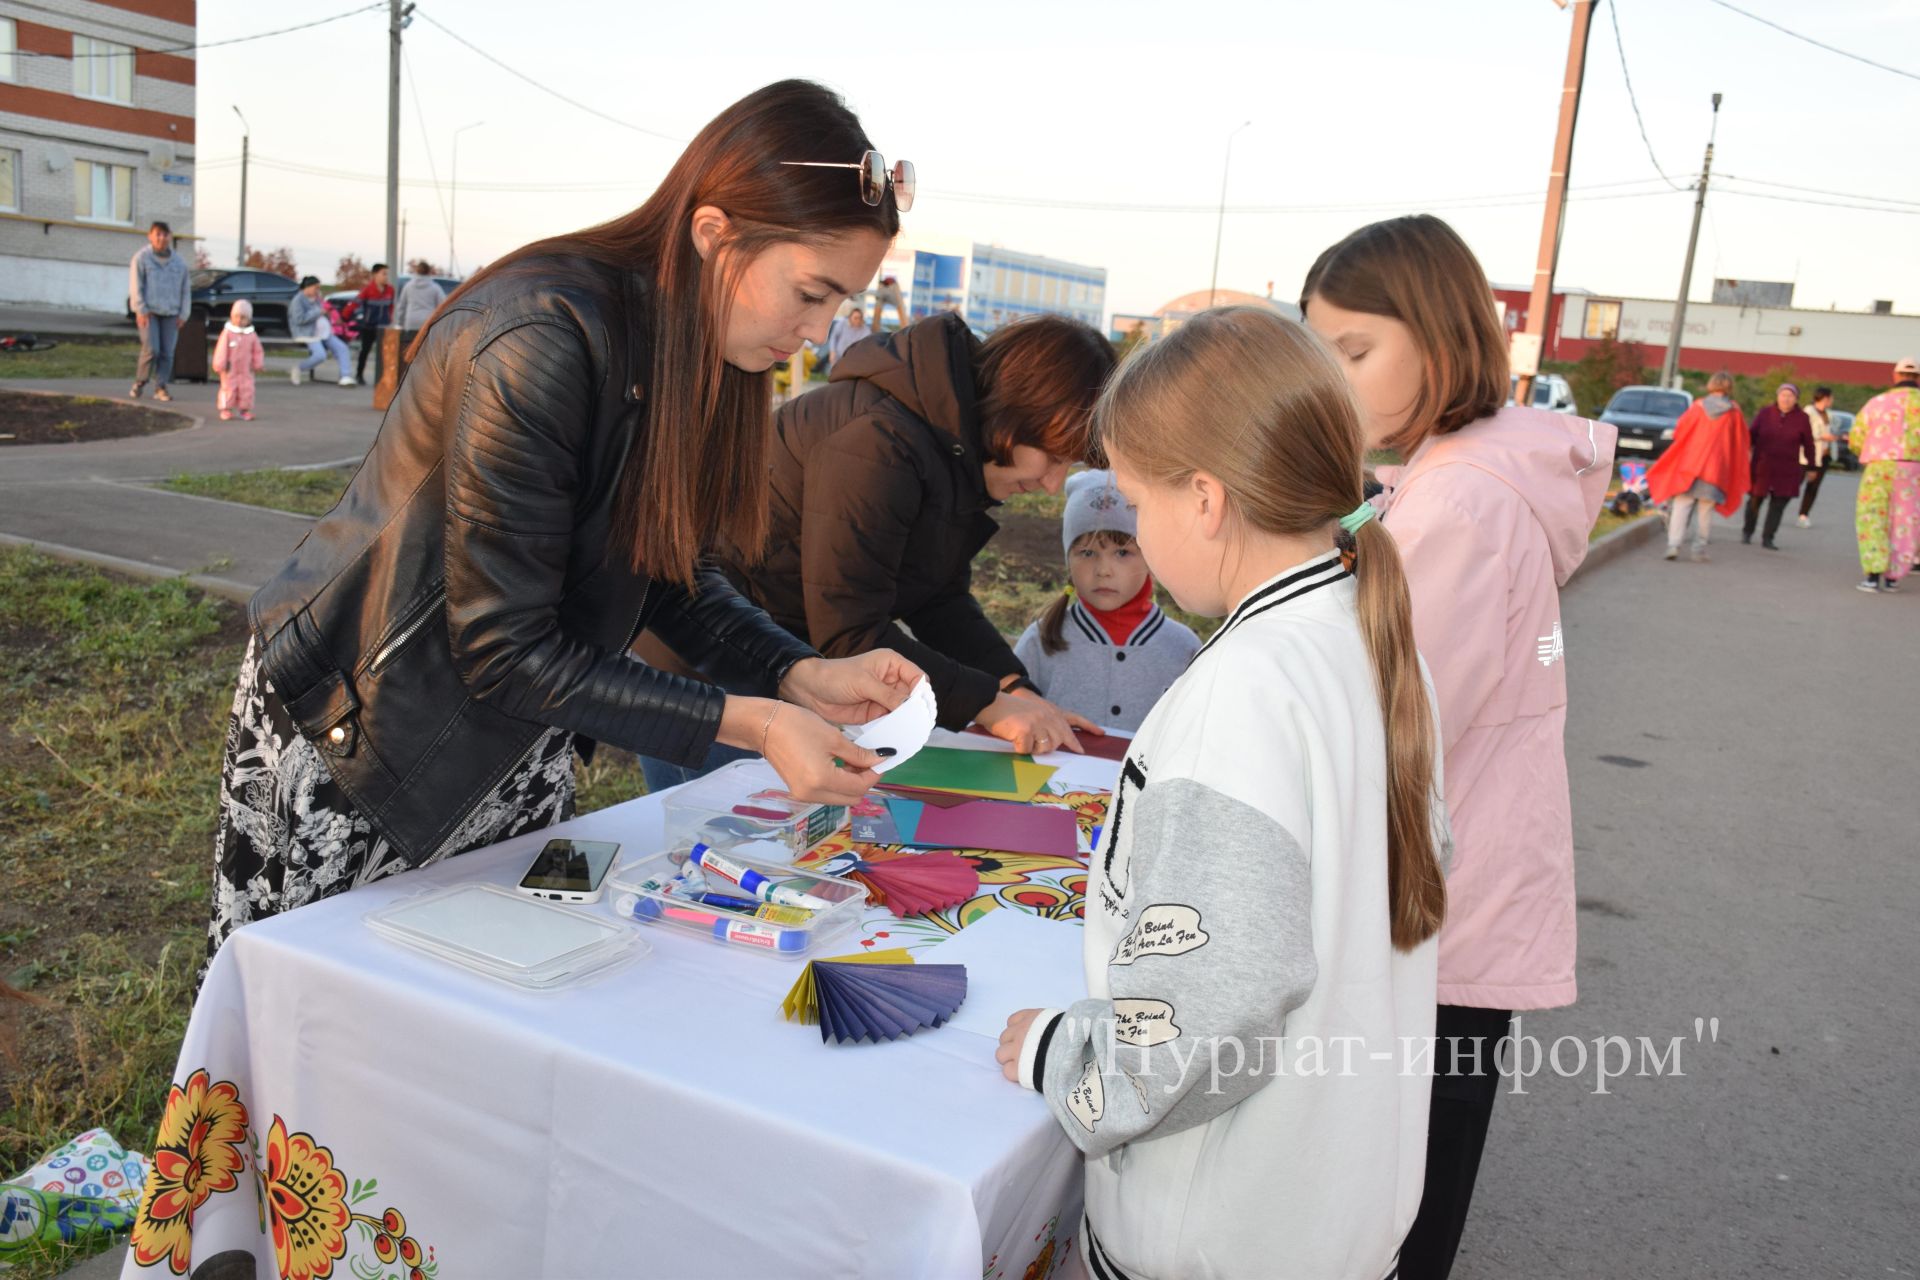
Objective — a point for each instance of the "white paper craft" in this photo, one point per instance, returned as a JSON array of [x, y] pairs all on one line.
[[906, 728]]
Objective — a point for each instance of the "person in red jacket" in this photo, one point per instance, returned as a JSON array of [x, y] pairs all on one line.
[[374, 310], [1706, 468], [1782, 436]]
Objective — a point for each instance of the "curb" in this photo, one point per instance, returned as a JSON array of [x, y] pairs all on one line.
[[226, 588], [1620, 542]]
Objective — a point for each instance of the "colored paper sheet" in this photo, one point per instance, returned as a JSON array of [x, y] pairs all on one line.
[[1005, 778], [1107, 746], [999, 825], [802, 1003], [955, 769]]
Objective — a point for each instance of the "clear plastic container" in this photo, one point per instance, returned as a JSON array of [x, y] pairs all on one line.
[[746, 801], [508, 936], [642, 890]]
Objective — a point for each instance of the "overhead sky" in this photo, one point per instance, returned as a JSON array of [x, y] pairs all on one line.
[[1033, 123]]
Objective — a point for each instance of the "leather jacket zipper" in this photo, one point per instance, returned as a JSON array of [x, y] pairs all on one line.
[[633, 632], [406, 633]]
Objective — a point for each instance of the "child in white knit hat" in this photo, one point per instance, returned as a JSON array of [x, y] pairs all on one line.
[[1104, 648]]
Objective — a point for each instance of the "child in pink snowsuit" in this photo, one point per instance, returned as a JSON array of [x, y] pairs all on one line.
[[237, 356]]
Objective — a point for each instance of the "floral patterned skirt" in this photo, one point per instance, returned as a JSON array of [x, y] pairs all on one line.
[[289, 835]]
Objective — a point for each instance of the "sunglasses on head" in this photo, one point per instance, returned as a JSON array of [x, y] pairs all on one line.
[[875, 177]]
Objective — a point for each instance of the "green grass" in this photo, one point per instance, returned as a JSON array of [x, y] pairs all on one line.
[[112, 698], [307, 493], [75, 358]]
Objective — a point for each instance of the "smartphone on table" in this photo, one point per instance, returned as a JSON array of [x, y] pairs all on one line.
[[570, 870]]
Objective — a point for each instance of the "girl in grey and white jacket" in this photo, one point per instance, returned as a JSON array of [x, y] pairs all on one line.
[[1248, 1077], [1104, 649]]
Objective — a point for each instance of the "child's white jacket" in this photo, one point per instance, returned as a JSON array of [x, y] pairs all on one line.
[[1241, 1078]]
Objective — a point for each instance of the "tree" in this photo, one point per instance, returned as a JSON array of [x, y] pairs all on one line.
[[279, 261], [1135, 337], [351, 273], [201, 261], [1608, 365]]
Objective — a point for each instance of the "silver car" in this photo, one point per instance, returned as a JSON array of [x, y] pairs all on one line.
[[1550, 391]]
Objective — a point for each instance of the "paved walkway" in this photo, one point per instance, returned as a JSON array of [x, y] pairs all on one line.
[[94, 498], [1743, 742]]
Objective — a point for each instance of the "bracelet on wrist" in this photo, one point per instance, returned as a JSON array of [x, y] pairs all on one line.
[[767, 728]]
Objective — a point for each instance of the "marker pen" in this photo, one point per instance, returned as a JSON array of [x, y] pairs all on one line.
[[745, 932], [771, 912], [751, 881]]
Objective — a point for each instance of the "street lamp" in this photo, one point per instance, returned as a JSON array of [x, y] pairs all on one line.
[[453, 202], [1220, 223], [246, 138]]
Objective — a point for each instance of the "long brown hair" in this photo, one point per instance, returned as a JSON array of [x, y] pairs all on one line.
[[1256, 401], [1418, 270], [699, 475]]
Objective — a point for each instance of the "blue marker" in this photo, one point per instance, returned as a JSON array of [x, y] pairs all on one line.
[[751, 881]]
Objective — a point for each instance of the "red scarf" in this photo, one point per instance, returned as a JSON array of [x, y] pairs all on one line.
[[1122, 622]]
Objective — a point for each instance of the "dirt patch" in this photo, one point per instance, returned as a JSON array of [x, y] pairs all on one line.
[[1032, 540], [31, 417]]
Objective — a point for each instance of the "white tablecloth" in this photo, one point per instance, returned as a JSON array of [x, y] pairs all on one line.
[[663, 1121]]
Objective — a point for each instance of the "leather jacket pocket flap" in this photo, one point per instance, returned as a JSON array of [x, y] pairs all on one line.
[[322, 713]]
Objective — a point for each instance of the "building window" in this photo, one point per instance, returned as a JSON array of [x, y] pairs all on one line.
[[9, 180], [102, 69], [7, 47], [102, 192], [1603, 320]]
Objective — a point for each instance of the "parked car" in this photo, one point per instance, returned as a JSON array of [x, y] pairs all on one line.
[[1550, 391], [215, 291], [1839, 452], [1645, 417]]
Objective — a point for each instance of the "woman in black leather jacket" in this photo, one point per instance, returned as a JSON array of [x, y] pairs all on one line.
[[578, 426]]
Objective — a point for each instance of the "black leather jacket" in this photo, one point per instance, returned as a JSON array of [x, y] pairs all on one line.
[[461, 597]]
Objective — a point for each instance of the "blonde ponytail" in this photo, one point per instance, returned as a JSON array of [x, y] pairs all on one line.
[[1416, 890]]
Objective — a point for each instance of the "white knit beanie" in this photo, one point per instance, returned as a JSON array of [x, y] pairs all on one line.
[[1094, 505]]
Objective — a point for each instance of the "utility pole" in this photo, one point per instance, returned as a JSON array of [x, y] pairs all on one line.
[[246, 138], [401, 270], [1540, 302], [399, 14], [1221, 222], [1671, 365]]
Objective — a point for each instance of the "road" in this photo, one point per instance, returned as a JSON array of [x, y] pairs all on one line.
[[1743, 741]]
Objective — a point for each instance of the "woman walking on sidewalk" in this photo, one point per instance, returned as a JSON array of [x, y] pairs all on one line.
[[1782, 436], [1491, 515], [1706, 469]]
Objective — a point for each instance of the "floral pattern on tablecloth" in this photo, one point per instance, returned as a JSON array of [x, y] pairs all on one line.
[[1050, 886], [306, 1203]]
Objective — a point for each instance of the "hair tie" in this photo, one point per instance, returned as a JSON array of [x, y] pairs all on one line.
[[1359, 518]]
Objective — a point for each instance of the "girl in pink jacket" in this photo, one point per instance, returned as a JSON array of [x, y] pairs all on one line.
[[1491, 513], [237, 356]]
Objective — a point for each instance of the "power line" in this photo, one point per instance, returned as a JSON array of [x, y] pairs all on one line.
[[420, 118], [521, 75], [1613, 12], [1823, 191], [210, 44], [1818, 44], [1831, 204]]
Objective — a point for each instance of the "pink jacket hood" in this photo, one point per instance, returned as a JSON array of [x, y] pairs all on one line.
[[1560, 465]]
